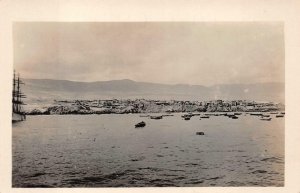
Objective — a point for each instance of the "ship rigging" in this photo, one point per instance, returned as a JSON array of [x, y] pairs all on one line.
[[17, 111]]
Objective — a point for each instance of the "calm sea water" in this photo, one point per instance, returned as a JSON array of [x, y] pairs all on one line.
[[108, 151]]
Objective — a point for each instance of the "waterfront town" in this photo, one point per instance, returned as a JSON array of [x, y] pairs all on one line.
[[116, 106]]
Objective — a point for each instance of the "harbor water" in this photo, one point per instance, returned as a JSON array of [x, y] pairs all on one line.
[[108, 151]]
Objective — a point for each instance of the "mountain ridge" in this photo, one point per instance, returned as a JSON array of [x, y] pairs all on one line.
[[129, 80], [51, 89]]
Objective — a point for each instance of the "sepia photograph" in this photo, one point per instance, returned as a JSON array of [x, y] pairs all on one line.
[[148, 104]]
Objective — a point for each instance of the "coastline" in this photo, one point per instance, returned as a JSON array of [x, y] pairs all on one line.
[[142, 106]]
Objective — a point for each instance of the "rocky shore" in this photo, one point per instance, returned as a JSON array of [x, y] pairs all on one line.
[[149, 106]]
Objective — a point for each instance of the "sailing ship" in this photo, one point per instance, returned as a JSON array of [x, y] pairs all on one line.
[[17, 111]]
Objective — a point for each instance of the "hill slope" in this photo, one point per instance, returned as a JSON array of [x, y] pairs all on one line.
[[45, 89]]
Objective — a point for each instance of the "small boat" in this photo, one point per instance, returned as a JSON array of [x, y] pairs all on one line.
[[187, 118], [140, 124], [264, 115], [234, 117], [283, 113], [200, 133], [170, 111], [156, 117], [273, 112], [204, 117], [266, 119], [237, 113], [186, 115], [277, 116], [229, 114]]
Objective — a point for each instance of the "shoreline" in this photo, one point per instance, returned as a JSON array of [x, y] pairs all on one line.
[[143, 106], [164, 114]]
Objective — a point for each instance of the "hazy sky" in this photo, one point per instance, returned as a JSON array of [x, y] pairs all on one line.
[[173, 53]]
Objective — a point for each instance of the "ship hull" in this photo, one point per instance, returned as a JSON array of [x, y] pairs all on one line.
[[16, 117]]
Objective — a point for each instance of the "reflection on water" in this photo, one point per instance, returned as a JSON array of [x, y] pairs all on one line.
[[108, 151]]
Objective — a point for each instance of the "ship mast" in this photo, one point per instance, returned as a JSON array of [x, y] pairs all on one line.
[[14, 93], [17, 94]]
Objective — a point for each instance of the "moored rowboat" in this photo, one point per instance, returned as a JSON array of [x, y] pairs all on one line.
[[140, 124]]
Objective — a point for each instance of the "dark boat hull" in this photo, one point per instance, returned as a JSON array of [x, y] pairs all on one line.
[[16, 117], [140, 124]]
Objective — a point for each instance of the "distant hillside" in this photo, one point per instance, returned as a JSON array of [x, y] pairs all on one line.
[[42, 90]]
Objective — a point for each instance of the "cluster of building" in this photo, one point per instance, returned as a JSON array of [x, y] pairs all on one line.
[[214, 105], [155, 106]]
